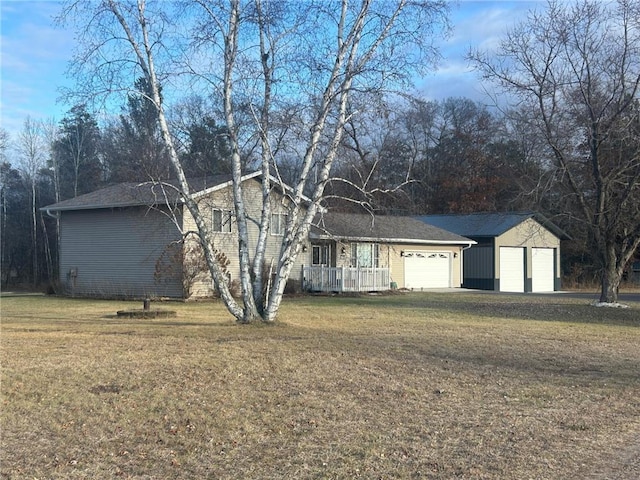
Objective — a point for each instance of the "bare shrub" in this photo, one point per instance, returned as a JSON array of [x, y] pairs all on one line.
[[184, 262]]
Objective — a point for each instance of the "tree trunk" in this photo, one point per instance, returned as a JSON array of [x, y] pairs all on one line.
[[34, 232], [143, 51], [47, 251], [609, 289], [614, 266], [611, 277]]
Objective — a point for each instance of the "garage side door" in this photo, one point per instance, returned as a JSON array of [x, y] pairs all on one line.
[[511, 269], [542, 271], [427, 270]]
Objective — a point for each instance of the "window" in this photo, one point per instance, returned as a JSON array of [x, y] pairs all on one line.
[[320, 255], [365, 255], [278, 223], [222, 221]]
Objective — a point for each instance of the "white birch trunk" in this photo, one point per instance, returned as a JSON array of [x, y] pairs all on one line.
[[145, 58], [339, 62]]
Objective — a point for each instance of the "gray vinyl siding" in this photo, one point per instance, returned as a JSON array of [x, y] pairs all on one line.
[[114, 253]]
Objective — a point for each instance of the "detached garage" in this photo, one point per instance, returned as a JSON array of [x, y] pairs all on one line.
[[515, 252]]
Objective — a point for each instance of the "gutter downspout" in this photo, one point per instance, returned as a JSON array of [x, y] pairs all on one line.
[[52, 215], [462, 262], [56, 215]]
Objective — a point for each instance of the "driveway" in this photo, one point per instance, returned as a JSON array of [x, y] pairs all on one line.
[[587, 296]]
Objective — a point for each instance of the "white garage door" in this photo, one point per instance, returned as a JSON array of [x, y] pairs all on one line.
[[511, 269], [427, 269], [542, 272]]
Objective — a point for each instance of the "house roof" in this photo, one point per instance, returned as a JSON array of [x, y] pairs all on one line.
[[488, 224], [149, 193], [135, 194], [391, 229]]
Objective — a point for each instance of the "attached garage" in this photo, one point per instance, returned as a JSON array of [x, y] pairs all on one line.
[[542, 269], [512, 263], [427, 269], [403, 251]]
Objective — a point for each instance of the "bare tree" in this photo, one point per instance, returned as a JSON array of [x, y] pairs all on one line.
[[31, 149], [256, 54], [50, 134], [375, 161], [4, 165], [576, 68]]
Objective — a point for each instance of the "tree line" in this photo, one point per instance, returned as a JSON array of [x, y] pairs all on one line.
[[47, 162], [408, 156]]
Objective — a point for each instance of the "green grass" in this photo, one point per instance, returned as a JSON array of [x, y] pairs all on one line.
[[402, 386]]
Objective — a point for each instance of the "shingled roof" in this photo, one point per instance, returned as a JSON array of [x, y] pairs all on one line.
[[392, 229], [136, 194], [488, 224]]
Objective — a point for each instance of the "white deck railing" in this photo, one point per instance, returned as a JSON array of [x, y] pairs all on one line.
[[345, 279]]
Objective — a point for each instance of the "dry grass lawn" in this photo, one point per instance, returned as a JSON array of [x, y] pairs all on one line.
[[428, 386]]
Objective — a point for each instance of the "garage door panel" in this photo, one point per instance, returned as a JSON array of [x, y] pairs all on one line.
[[542, 269], [427, 269], [511, 269]]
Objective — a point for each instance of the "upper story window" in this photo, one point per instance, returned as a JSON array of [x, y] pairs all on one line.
[[278, 223], [222, 220]]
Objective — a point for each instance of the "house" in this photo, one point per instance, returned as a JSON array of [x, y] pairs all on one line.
[[356, 252], [515, 252], [126, 240], [131, 240]]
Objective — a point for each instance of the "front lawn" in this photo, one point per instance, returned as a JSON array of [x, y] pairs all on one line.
[[420, 385]]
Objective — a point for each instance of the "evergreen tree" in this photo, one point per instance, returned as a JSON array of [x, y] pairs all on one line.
[[208, 149], [133, 147], [77, 153]]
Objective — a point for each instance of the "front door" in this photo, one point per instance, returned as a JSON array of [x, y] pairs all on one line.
[[321, 255]]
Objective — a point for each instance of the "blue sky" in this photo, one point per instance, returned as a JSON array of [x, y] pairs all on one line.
[[34, 54]]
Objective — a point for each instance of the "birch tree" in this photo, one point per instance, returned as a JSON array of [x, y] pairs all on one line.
[[50, 134], [575, 67], [260, 54], [31, 150]]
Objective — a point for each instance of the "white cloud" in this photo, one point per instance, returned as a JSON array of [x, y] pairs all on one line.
[[476, 25]]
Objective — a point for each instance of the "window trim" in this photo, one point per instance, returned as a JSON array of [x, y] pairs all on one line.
[[374, 249], [224, 226], [278, 226], [324, 253]]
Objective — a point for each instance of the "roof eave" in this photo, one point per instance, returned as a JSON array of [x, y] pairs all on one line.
[[95, 207], [249, 176], [224, 185], [393, 240]]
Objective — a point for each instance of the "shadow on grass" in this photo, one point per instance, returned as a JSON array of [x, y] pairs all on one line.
[[552, 307], [123, 321], [488, 353]]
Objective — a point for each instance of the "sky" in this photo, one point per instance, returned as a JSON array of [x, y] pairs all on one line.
[[34, 55]]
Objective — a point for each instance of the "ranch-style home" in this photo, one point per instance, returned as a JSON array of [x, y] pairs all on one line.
[[514, 252], [124, 241], [350, 250]]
